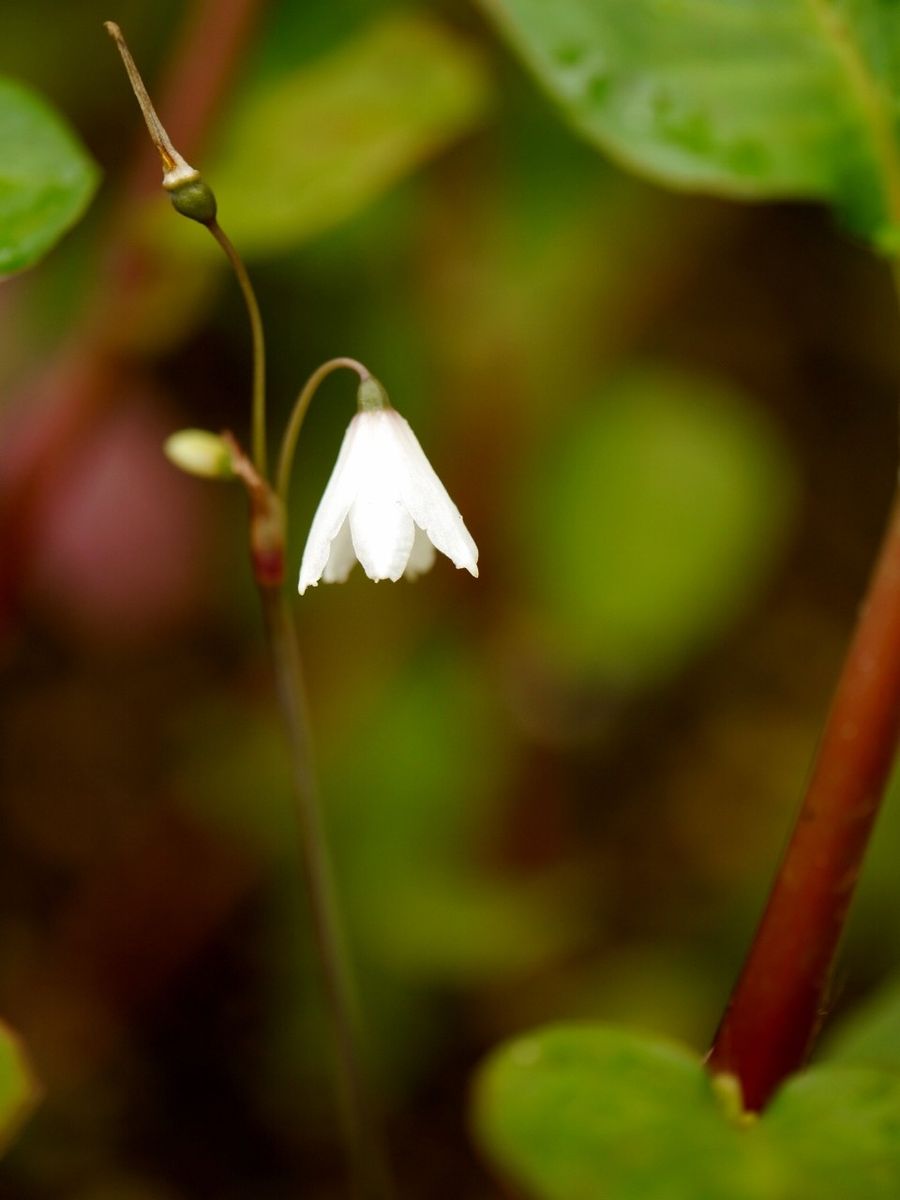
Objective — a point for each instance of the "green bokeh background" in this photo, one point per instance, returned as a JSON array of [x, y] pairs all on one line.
[[556, 792]]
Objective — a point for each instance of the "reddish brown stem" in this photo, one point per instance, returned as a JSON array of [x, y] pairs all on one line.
[[777, 1005]]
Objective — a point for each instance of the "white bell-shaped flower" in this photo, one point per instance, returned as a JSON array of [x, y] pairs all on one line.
[[383, 505]]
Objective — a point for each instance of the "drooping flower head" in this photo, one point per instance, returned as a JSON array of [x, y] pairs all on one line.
[[383, 504]]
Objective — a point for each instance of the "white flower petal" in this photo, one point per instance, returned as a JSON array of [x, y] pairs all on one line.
[[334, 506], [382, 532], [385, 505], [422, 555], [380, 524], [427, 499], [342, 558]]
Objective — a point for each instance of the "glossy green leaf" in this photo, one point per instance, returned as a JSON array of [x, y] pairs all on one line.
[[753, 98], [312, 148], [652, 519], [588, 1112], [47, 177], [596, 1113], [18, 1089]]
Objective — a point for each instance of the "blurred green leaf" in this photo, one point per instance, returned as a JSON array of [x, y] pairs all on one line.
[[18, 1088], [837, 1130], [46, 177], [652, 519], [590, 1112], [752, 98], [415, 791], [312, 148], [870, 1036], [456, 926]]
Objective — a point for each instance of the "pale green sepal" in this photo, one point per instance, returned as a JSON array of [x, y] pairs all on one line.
[[371, 396]]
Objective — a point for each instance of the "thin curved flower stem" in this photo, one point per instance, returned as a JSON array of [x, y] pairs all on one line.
[[177, 175], [367, 1161], [298, 415], [258, 441]]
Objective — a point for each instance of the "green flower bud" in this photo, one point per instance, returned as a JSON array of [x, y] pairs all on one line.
[[199, 452]]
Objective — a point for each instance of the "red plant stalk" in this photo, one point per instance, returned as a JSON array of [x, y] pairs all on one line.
[[780, 998]]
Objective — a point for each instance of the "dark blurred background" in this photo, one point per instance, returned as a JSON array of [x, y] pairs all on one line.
[[556, 792]]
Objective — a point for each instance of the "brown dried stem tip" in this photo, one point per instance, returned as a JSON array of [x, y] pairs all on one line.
[[189, 194]]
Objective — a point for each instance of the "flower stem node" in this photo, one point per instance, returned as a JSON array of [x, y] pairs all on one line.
[[194, 199], [199, 452], [384, 505], [267, 538]]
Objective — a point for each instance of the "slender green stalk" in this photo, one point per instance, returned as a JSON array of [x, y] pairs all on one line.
[[368, 1163], [371, 1179], [259, 347], [298, 415]]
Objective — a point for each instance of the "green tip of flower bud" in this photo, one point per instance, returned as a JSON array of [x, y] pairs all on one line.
[[195, 199], [371, 396], [200, 452]]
